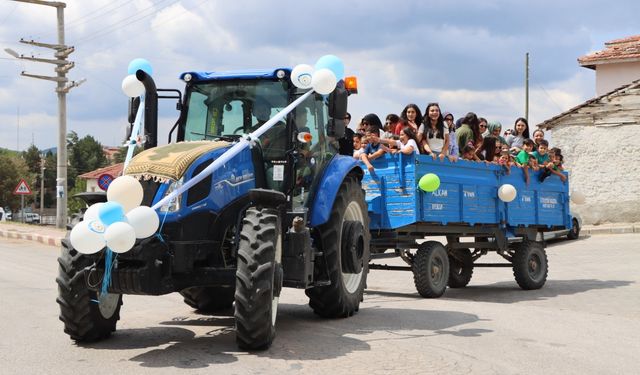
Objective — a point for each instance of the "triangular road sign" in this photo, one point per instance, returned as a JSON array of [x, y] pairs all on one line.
[[22, 188]]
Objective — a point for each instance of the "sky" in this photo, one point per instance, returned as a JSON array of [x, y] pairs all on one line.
[[465, 55]]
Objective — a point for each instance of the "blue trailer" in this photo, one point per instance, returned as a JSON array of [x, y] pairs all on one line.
[[467, 210]]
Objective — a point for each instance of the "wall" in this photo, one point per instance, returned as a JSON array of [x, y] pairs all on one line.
[[611, 76], [92, 185], [604, 164]]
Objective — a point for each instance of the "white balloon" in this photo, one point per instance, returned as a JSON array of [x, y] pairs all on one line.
[[578, 197], [507, 193], [324, 81], [144, 220], [120, 237], [127, 191], [301, 76], [92, 212], [87, 237], [132, 87]]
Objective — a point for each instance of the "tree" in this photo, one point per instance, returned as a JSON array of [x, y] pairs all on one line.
[[12, 169], [85, 155]]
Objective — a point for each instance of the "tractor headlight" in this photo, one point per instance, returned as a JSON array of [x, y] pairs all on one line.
[[175, 203]]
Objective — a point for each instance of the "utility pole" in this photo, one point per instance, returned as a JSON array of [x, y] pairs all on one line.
[[63, 87], [526, 86], [43, 162]]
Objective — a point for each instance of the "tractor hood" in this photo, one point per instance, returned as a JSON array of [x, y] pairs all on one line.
[[169, 162]]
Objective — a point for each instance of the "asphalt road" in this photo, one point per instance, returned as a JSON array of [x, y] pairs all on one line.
[[586, 320]]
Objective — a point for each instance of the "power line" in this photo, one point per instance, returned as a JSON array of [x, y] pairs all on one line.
[[123, 22]]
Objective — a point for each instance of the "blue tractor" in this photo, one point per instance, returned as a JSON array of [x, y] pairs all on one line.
[[289, 211]]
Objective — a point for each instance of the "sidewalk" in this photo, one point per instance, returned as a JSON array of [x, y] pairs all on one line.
[[50, 235], [45, 234]]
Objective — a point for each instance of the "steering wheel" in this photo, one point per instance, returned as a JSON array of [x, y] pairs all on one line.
[[240, 129]]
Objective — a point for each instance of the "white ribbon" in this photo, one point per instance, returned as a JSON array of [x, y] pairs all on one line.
[[233, 151]]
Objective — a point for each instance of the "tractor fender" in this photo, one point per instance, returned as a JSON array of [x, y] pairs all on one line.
[[335, 172]]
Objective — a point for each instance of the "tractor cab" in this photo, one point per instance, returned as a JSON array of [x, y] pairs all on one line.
[[290, 155]]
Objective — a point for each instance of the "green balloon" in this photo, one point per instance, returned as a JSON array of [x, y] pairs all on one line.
[[430, 182]]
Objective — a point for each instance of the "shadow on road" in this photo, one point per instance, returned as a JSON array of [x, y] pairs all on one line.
[[301, 335], [508, 292]]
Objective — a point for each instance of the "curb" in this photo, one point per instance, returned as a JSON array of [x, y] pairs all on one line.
[[43, 239], [611, 229]]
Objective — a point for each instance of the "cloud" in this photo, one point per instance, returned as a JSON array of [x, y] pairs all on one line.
[[467, 55]]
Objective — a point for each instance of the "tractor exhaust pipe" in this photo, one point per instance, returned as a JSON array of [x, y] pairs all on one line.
[[150, 109]]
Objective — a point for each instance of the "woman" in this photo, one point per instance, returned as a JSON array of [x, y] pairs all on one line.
[[468, 133], [433, 135], [453, 143], [495, 128], [411, 113], [520, 132], [538, 135]]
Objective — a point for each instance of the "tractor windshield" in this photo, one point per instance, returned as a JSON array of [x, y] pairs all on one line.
[[232, 107]]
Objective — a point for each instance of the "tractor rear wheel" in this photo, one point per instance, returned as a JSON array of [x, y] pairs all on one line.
[[344, 242], [258, 278]]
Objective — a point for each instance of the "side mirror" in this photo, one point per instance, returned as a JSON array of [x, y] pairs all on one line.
[[338, 102], [337, 111]]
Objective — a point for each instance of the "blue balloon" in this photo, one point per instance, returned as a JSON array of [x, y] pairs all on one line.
[[111, 212], [140, 64], [332, 63]]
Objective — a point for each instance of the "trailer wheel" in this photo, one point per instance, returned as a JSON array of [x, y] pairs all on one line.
[[86, 316], [258, 278], [209, 299], [460, 268], [431, 269], [344, 241], [574, 233], [530, 266]]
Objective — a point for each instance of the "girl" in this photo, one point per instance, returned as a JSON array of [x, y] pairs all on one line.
[[408, 143], [487, 151], [433, 135], [520, 133], [411, 113]]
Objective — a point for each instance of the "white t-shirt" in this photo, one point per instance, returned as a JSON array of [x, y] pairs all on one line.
[[410, 142], [436, 144]]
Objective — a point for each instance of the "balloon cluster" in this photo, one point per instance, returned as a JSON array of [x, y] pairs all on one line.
[[322, 78], [116, 223], [130, 84]]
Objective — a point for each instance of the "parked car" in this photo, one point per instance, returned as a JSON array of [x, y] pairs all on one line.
[[29, 217], [571, 234], [2, 214]]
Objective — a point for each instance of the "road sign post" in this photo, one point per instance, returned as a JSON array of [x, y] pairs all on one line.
[[22, 189]]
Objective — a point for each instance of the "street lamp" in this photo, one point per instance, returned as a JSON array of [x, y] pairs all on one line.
[[12, 53]]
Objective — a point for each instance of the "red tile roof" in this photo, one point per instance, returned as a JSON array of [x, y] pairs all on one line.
[[618, 50], [114, 170]]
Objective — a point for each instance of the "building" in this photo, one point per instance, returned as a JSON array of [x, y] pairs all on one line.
[[616, 65], [93, 176], [597, 137]]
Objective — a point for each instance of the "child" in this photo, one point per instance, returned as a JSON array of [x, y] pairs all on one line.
[[505, 159], [554, 166], [408, 144], [374, 148], [522, 160], [469, 152], [358, 147], [541, 155]]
